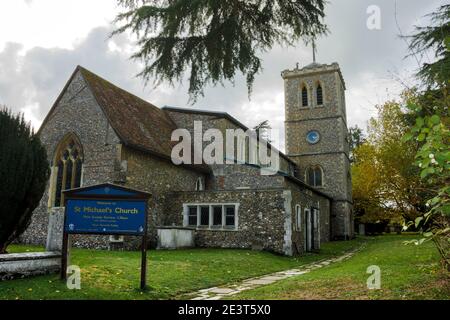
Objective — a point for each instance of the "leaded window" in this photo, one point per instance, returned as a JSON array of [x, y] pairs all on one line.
[[68, 169], [230, 216], [192, 216], [204, 216], [217, 215], [213, 216]]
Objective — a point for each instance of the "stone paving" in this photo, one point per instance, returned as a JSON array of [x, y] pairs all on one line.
[[217, 293]]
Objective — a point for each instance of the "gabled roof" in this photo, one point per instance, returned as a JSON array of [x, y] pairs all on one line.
[[138, 124]]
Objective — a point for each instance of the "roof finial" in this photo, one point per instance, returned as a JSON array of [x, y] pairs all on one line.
[[297, 65]]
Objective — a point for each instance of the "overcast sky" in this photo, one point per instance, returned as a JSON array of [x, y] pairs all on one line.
[[42, 41]]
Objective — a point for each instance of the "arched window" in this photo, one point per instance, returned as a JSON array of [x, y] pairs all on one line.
[[67, 170], [319, 95], [314, 176], [199, 185], [304, 96]]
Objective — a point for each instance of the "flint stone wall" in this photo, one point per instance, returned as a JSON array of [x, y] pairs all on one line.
[[78, 113], [307, 199], [261, 219]]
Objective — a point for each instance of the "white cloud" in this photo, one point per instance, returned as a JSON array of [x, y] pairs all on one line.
[[52, 23], [31, 82]]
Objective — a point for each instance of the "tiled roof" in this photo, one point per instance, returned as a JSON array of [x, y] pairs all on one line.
[[137, 122]]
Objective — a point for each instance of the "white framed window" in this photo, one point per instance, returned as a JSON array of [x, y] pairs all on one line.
[[230, 216], [214, 216], [298, 218], [217, 216], [192, 216], [204, 216]]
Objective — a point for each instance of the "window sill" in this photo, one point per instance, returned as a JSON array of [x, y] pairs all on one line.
[[316, 187], [213, 229]]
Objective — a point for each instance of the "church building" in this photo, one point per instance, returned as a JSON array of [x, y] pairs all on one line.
[[98, 133]]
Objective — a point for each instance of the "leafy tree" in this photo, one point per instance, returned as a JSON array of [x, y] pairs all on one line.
[[386, 186], [429, 109], [212, 40], [368, 203], [24, 171]]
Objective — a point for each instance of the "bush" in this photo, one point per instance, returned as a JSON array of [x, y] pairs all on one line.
[[24, 171]]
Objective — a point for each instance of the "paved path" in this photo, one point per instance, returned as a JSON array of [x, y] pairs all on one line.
[[217, 293]]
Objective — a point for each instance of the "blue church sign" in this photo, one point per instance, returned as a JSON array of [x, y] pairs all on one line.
[[118, 217], [106, 209]]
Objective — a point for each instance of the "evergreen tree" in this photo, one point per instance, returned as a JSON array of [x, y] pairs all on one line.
[[434, 37], [214, 39], [24, 171]]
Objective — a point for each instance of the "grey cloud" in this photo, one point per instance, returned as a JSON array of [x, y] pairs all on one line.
[[365, 58], [38, 76]]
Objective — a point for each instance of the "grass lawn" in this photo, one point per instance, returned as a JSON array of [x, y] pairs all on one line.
[[407, 272], [115, 275]]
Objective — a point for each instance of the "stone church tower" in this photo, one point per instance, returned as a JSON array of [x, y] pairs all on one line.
[[316, 137]]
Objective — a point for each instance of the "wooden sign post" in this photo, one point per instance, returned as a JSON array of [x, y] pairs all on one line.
[[106, 209]]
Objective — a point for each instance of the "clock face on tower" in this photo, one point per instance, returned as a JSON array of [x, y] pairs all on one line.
[[313, 137]]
